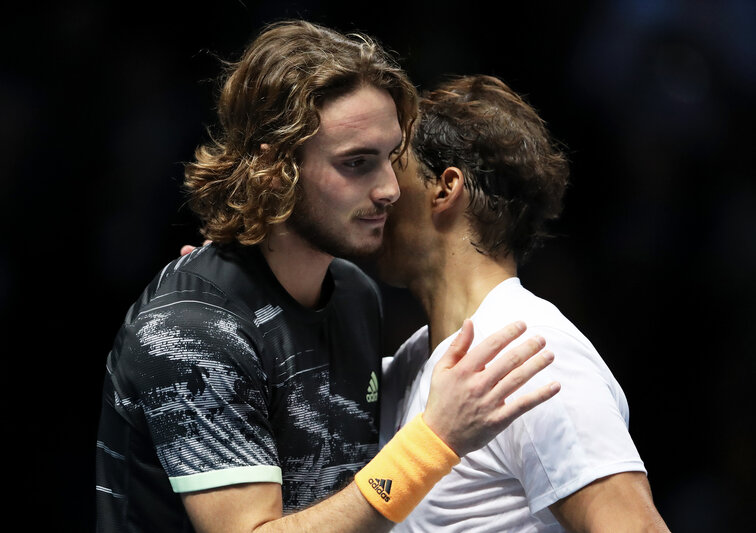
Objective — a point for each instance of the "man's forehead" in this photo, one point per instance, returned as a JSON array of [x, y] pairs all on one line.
[[356, 114], [366, 111]]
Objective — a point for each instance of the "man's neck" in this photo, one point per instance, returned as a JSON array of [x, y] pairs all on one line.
[[457, 286], [299, 267]]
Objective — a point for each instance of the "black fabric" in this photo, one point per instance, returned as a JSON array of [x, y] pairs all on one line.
[[217, 367]]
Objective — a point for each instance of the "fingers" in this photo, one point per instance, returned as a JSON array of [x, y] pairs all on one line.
[[516, 367], [490, 347], [459, 346], [524, 403], [516, 378], [513, 358], [468, 402]]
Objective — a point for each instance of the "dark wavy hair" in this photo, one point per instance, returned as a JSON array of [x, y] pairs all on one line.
[[271, 97], [514, 172]]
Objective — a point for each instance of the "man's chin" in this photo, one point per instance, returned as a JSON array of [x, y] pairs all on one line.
[[366, 249], [362, 253], [344, 245], [357, 250]]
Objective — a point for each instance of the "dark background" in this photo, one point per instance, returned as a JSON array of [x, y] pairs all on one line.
[[100, 102]]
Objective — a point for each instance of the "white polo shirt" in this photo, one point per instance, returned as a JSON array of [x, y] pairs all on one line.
[[555, 449]]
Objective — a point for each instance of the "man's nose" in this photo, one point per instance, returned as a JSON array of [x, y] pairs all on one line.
[[386, 190]]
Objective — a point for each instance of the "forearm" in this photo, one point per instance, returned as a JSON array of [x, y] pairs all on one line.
[[345, 511], [620, 502], [256, 508], [383, 492], [645, 523], [623, 515]]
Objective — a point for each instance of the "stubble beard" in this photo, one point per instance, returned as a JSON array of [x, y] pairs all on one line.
[[312, 225]]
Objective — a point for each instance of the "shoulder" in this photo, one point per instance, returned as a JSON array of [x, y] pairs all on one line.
[[588, 385], [185, 312], [182, 334], [511, 300], [197, 275], [183, 343], [584, 375], [185, 304], [216, 279]]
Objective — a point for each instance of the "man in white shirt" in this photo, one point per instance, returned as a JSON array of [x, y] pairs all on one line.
[[479, 184]]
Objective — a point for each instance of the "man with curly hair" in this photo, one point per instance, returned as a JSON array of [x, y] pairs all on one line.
[[242, 391], [479, 183]]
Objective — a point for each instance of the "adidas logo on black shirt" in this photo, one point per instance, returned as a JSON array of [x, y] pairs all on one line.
[[372, 393]]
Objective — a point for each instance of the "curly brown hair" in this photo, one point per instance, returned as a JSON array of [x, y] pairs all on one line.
[[244, 179], [513, 170]]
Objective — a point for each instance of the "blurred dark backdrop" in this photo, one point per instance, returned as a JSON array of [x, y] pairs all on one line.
[[100, 102]]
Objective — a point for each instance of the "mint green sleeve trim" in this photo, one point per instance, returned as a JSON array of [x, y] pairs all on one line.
[[227, 476]]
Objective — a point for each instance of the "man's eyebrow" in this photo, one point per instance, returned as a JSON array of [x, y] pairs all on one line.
[[359, 150], [365, 150]]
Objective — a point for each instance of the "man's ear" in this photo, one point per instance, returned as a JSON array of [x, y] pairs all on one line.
[[449, 190]]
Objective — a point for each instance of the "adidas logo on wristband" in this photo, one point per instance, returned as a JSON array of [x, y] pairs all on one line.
[[382, 487]]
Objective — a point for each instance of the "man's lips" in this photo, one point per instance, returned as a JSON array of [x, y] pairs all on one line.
[[374, 219], [372, 216]]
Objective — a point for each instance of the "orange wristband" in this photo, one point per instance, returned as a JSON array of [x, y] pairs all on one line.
[[405, 470]]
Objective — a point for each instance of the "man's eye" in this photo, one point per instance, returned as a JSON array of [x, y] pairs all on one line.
[[354, 163]]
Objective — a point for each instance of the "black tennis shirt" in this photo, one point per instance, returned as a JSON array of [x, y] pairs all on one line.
[[218, 376]]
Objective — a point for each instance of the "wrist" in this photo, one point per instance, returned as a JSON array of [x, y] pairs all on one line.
[[405, 470]]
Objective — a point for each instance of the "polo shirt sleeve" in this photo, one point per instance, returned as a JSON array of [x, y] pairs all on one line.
[[576, 437], [202, 389]]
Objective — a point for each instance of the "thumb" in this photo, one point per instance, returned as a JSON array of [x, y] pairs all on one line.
[[459, 346]]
